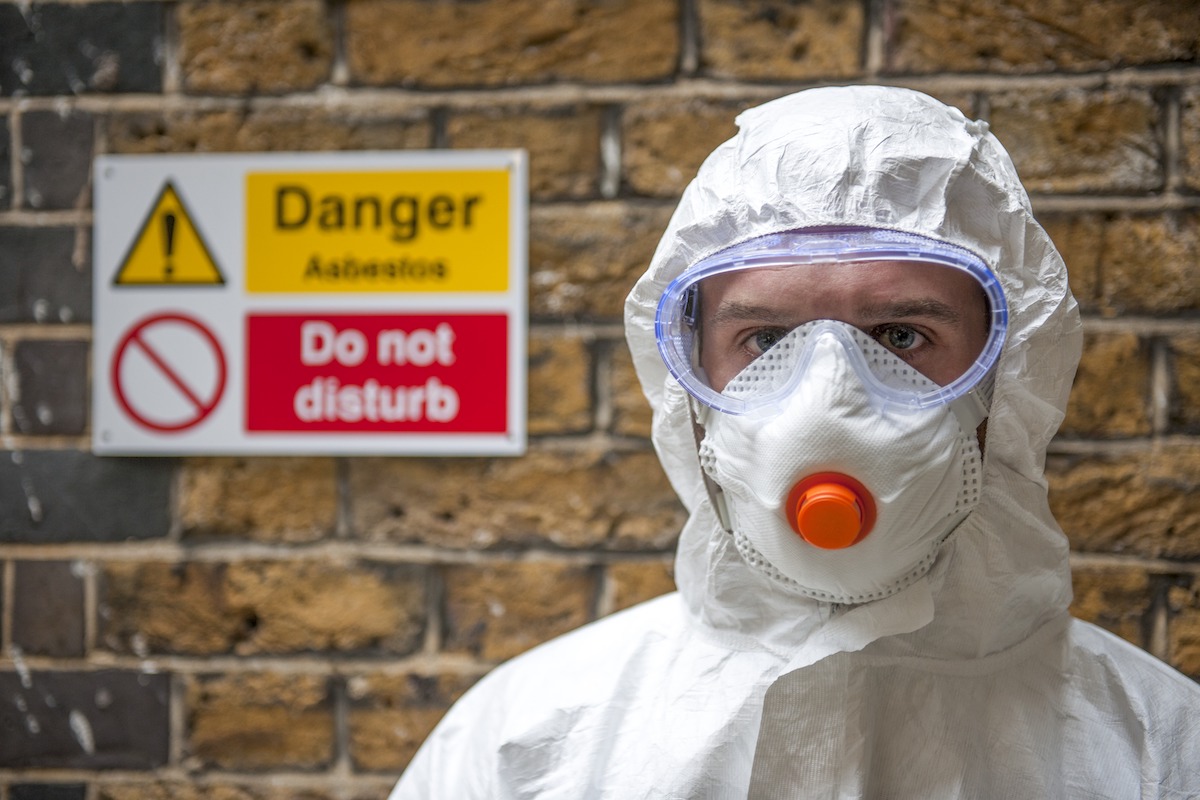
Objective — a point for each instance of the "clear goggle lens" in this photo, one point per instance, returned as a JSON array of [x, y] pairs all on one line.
[[935, 307]]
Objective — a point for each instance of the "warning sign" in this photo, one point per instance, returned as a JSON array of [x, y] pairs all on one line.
[[168, 372], [376, 373], [168, 250], [311, 303], [419, 231]]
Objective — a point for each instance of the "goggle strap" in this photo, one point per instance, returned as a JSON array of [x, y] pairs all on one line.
[[716, 495], [970, 409]]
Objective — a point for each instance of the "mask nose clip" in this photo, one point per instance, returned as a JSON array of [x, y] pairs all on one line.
[[830, 510]]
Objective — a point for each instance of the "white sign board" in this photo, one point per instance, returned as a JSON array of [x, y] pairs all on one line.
[[310, 303]]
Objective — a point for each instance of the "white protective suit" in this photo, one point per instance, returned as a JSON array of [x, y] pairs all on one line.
[[972, 682]]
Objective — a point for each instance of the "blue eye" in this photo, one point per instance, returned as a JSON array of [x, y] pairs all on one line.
[[899, 338], [767, 338]]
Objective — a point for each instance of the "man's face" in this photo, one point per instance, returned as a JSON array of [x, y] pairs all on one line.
[[934, 318]]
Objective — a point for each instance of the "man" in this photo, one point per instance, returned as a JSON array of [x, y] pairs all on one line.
[[857, 343]]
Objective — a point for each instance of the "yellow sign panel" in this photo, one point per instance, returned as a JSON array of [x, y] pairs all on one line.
[[168, 250], [400, 231]]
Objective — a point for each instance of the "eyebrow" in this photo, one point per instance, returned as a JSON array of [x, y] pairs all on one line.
[[740, 312], [927, 308]]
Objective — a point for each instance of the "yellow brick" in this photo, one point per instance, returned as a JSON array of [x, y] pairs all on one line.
[[584, 499], [563, 144], [1076, 140], [1110, 397], [266, 499], [505, 42], [560, 382], [260, 720], [637, 581], [584, 259], [665, 142], [1145, 503], [779, 40], [1116, 598], [391, 715], [1039, 35], [498, 611], [254, 46]]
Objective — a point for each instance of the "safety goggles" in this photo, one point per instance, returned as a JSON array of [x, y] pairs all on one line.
[[907, 299]]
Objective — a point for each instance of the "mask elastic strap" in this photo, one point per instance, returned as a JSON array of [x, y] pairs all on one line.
[[716, 495], [973, 407]]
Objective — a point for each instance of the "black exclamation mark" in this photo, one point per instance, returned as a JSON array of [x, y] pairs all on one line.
[[169, 243]]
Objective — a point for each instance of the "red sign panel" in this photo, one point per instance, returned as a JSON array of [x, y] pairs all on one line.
[[348, 373]]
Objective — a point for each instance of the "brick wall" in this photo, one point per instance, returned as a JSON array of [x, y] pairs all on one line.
[[292, 627]]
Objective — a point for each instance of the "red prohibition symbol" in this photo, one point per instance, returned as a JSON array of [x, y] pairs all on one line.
[[168, 372]]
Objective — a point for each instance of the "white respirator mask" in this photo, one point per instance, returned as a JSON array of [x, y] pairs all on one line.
[[838, 466]]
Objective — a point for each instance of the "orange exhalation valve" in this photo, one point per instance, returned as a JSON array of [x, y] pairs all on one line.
[[830, 510]]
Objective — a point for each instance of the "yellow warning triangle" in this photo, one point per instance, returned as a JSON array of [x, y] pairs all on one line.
[[168, 250]]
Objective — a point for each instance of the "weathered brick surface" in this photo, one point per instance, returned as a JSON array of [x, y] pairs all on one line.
[[1149, 264], [107, 719], [265, 499], [1111, 393], [258, 607], [578, 500], [634, 582], [78, 48], [6, 184], [270, 129], [463, 43], [318, 615], [1116, 598], [1190, 137], [1076, 140], [1185, 382], [1146, 503], [48, 791], [665, 143], [260, 720], [1079, 239], [69, 496], [1130, 263], [58, 150], [255, 46], [52, 378], [229, 790], [631, 410], [499, 610], [583, 260], [48, 611], [1039, 35], [1184, 630], [560, 384], [778, 40], [390, 715], [46, 274], [563, 144]]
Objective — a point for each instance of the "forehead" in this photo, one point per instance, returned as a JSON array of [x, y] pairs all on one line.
[[841, 290]]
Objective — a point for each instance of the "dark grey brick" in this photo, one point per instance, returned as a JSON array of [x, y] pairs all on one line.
[[39, 278], [6, 189], [59, 158], [110, 719], [68, 496], [52, 382], [48, 609], [48, 791], [76, 48]]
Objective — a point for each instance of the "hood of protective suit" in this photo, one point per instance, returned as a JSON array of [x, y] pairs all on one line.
[[895, 159]]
